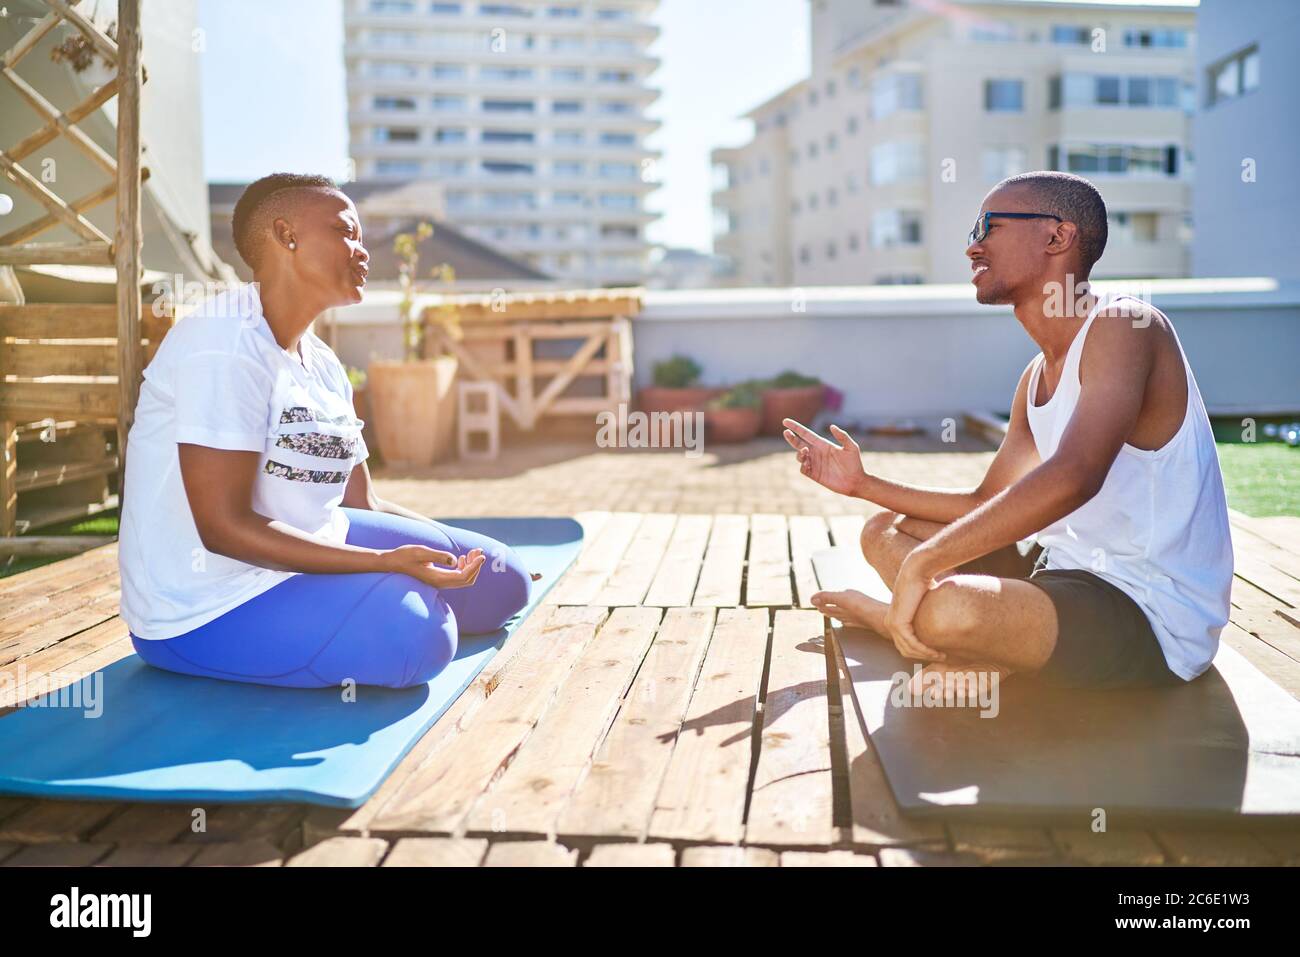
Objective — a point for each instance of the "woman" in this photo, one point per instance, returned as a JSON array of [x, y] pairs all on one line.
[[252, 546]]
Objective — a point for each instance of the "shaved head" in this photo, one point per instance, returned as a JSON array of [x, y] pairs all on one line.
[[1072, 198], [278, 196]]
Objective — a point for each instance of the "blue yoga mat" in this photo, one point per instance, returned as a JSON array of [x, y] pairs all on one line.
[[171, 737]]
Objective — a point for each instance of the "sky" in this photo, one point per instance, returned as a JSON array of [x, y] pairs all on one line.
[[274, 93]]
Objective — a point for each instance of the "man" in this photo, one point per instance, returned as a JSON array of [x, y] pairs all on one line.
[[1109, 461]]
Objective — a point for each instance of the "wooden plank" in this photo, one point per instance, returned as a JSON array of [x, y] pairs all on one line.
[[723, 569], [530, 854], [593, 568], [147, 824], [1002, 844], [1220, 848], [704, 789], [793, 795], [1259, 614], [254, 853], [30, 143], [437, 852], [1254, 561], [50, 200], [328, 822], [532, 793], [808, 534], [128, 235], [1118, 847], [876, 820], [826, 859], [233, 823], [19, 400], [59, 855], [47, 821], [926, 857], [732, 856], [635, 571], [62, 254], [108, 50], [8, 478], [846, 529], [1265, 544], [47, 111], [767, 581], [27, 42], [436, 798], [71, 320], [674, 582], [1277, 667], [67, 615], [631, 855], [342, 852], [58, 358], [151, 855], [617, 797]]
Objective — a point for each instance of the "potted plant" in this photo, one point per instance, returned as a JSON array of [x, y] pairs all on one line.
[[412, 400], [791, 396], [735, 415], [361, 406], [676, 387]]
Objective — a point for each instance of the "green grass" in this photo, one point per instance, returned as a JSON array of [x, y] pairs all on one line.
[[1261, 478], [105, 523]]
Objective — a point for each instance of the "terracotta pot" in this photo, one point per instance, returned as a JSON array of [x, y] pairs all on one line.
[[361, 406], [803, 404], [726, 426], [657, 398], [413, 408]]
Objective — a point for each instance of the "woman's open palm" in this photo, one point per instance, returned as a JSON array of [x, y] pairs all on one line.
[[837, 467]]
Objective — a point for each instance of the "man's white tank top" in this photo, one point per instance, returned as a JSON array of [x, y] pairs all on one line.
[[1158, 529]]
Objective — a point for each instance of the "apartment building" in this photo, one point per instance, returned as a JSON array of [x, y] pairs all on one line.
[[872, 169], [530, 114]]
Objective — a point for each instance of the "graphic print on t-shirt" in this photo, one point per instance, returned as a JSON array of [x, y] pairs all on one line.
[[320, 444]]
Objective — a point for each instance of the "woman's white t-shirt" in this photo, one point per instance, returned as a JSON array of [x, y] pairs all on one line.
[[220, 379]]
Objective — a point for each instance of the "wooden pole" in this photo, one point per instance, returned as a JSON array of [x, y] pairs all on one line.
[[127, 244]]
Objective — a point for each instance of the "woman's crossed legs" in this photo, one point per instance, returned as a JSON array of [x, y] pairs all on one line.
[[375, 628]]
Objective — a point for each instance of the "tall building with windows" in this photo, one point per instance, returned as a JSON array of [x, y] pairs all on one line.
[[873, 168], [531, 114]]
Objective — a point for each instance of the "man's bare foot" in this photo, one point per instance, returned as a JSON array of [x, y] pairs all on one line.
[[852, 608], [959, 678]]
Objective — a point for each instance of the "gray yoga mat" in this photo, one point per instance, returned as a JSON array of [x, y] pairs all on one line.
[[1225, 746]]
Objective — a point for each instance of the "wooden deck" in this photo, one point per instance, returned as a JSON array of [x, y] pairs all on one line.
[[671, 704]]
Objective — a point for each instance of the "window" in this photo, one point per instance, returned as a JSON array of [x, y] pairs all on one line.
[[510, 200], [896, 163], [445, 103], [1004, 96], [569, 137], [831, 251], [613, 13], [506, 74], [616, 107], [899, 279], [448, 71], [449, 135], [852, 125], [805, 255], [508, 106], [392, 167], [1234, 76], [392, 6], [1132, 227], [567, 199], [568, 74], [566, 106], [570, 44], [564, 13], [508, 136], [396, 134], [449, 167], [616, 45], [1071, 35], [894, 92], [1083, 90], [618, 171], [812, 151], [390, 70], [1161, 39], [396, 38], [617, 139], [445, 9], [832, 141], [813, 201], [616, 76], [832, 197], [1116, 159], [618, 200], [570, 169], [993, 32], [854, 242], [619, 231], [895, 227], [459, 199], [1003, 161], [503, 10], [398, 102], [502, 168]]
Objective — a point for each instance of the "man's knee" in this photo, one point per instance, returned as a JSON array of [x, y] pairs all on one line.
[[876, 531], [948, 616]]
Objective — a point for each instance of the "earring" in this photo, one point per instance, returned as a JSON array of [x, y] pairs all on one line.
[[292, 244]]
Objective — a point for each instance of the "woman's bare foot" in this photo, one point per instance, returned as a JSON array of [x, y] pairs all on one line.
[[852, 608]]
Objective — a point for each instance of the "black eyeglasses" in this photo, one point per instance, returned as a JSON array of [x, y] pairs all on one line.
[[981, 228]]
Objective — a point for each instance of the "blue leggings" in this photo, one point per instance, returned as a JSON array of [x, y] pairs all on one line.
[[374, 628]]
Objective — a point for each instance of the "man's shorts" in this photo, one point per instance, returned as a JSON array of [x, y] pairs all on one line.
[[1104, 638]]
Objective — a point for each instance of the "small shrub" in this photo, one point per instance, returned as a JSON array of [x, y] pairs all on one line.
[[745, 395], [793, 380], [679, 372]]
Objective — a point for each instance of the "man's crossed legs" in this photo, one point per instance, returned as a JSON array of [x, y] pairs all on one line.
[[983, 616]]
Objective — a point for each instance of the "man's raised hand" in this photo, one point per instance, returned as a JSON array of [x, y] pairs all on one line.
[[837, 467]]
